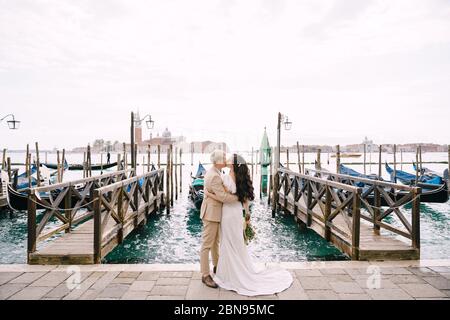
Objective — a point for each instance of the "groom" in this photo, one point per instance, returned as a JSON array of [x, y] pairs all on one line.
[[211, 215]]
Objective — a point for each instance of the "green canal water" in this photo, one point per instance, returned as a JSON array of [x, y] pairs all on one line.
[[176, 238]]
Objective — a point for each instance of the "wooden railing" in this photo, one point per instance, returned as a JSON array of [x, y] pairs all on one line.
[[321, 203], [380, 200], [122, 206], [69, 202]]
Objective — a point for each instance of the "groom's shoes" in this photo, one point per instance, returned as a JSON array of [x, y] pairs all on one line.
[[208, 281]]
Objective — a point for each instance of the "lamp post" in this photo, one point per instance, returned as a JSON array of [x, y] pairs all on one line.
[[287, 126], [150, 124], [12, 124]]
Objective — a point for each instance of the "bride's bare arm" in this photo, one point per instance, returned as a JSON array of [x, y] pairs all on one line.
[[247, 209]]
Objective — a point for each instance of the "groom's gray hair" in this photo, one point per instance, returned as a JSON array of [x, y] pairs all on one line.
[[218, 156]]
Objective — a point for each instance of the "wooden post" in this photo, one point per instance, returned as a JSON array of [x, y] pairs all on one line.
[[269, 192], [192, 153], [171, 175], [63, 162], [395, 163], [58, 166], [298, 159], [276, 176], [420, 159], [101, 162], [327, 214], [303, 159], [379, 162], [46, 157], [356, 230], [67, 208], [417, 165], [376, 210], [365, 158], [29, 171], [125, 156], [415, 219], [28, 166], [168, 183], [448, 163], [4, 159], [148, 158], [38, 165], [84, 165], [176, 173], [308, 204], [132, 145], [89, 162], [97, 228], [319, 164], [120, 213], [287, 158], [338, 159], [159, 156], [9, 169], [181, 170], [31, 223], [118, 162]]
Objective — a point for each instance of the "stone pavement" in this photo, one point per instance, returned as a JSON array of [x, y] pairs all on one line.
[[400, 280]]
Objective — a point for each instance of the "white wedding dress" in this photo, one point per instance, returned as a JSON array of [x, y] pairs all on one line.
[[235, 270]]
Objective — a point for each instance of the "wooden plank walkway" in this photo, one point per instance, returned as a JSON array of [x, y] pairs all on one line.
[[348, 216], [371, 247], [115, 210]]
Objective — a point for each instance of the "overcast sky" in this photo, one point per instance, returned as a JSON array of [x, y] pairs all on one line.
[[72, 71]]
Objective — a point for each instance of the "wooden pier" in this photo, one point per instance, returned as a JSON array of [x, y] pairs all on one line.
[[366, 219], [94, 215]]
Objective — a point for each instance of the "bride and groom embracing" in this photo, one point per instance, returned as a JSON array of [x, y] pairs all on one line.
[[226, 196]]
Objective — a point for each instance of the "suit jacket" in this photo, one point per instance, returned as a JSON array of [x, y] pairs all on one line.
[[211, 209]]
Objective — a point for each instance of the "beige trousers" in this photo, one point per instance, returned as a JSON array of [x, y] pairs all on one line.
[[210, 243]]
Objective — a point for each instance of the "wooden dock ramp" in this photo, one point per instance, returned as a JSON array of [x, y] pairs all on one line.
[[366, 219], [93, 216]]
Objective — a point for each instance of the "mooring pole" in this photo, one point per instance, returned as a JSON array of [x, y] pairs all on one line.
[[395, 163], [133, 155], [176, 173], [4, 159], [181, 170], [159, 156], [379, 161], [168, 183], [303, 159], [276, 168], [365, 156], [338, 159], [287, 157], [148, 158], [38, 171]]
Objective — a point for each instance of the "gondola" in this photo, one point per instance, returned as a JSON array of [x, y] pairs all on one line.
[[431, 193], [196, 187], [410, 179], [18, 199], [79, 167], [428, 172], [434, 188]]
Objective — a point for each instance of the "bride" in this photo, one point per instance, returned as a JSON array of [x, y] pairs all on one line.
[[235, 270]]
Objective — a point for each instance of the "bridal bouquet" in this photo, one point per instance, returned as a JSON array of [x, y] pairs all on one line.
[[249, 232]]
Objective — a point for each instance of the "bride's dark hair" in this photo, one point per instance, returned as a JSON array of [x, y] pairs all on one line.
[[244, 184]]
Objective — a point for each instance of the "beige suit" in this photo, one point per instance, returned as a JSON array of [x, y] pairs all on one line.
[[211, 214]]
